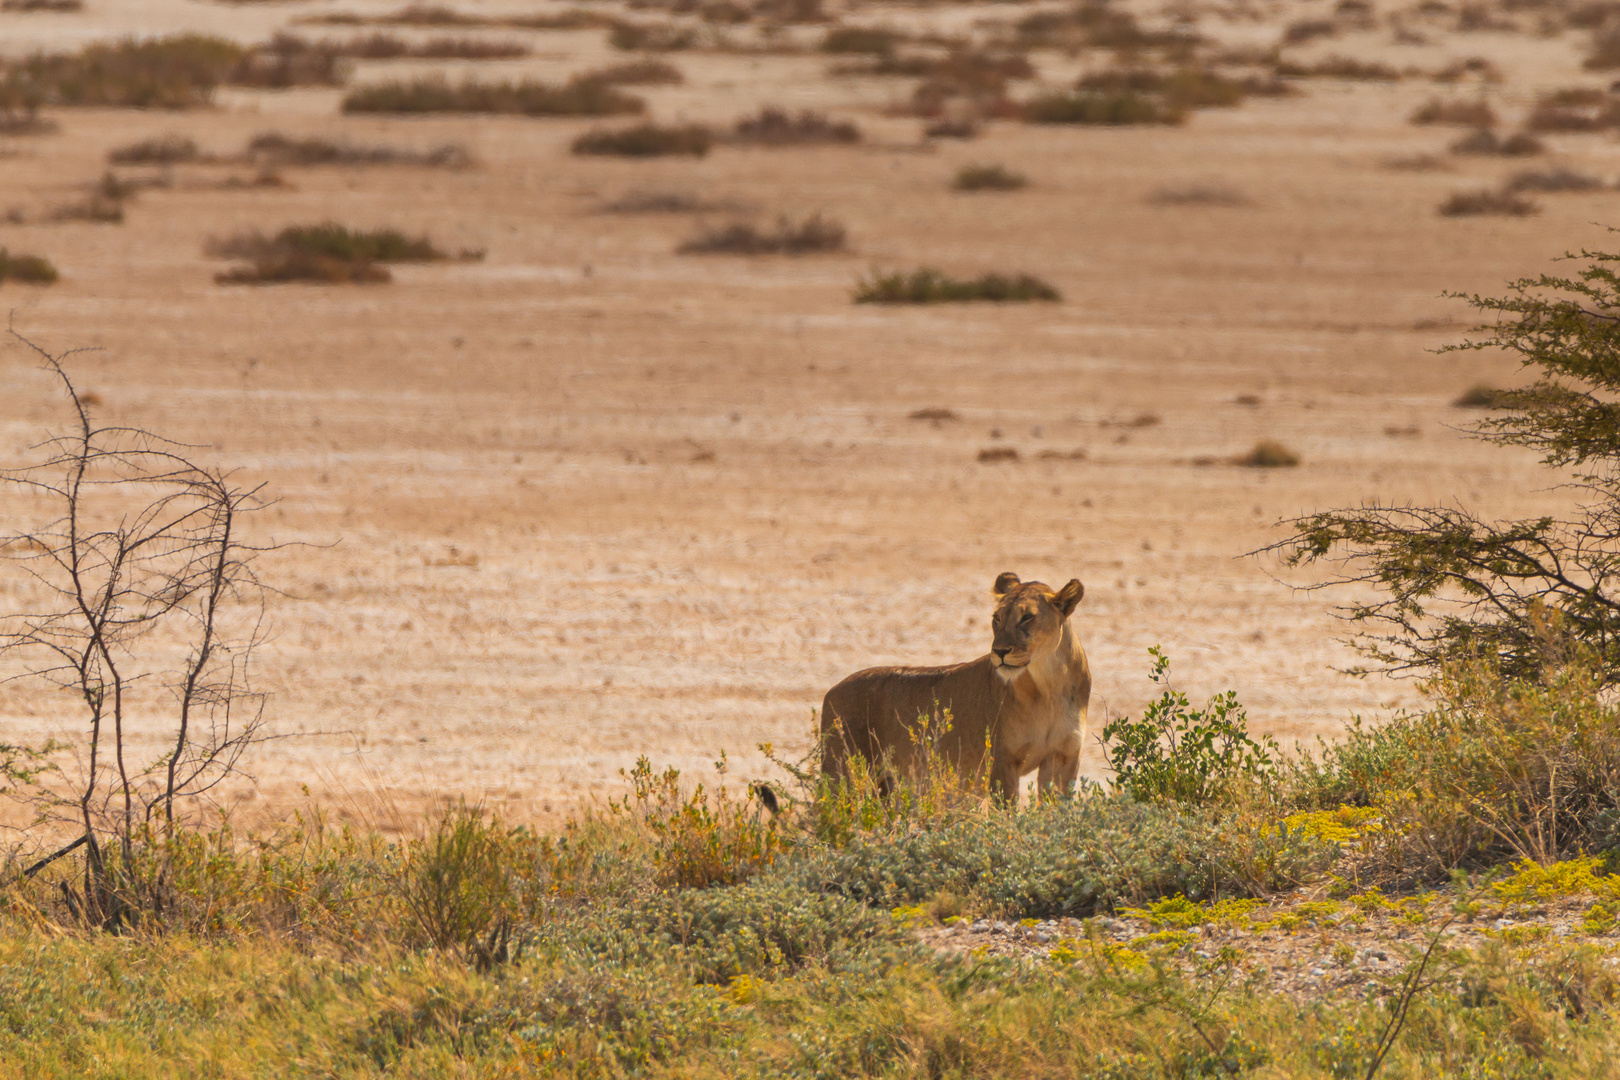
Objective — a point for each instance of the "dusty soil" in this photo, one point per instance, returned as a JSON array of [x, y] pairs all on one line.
[[587, 499]]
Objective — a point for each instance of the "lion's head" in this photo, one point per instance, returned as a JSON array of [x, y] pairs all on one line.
[[1028, 622]]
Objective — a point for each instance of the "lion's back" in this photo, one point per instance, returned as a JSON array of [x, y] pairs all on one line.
[[875, 711]]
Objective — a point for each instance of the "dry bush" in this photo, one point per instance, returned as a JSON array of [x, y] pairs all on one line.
[[1559, 179], [777, 127], [651, 37], [285, 61], [987, 178], [1105, 107], [31, 269], [1339, 67], [1480, 396], [104, 204], [177, 72], [274, 148], [1487, 202], [951, 129], [1298, 33], [1268, 454], [1605, 54], [380, 46], [861, 40], [1471, 114], [933, 414], [163, 150], [61, 7], [433, 94], [1485, 142], [644, 72], [814, 234], [662, 202], [1417, 163], [1199, 195], [426, 15], [328, 252], [1097, 24], [1476, 66], [1574, 110], [995, 455], [646, 140], [1183, 88], [929, 286]]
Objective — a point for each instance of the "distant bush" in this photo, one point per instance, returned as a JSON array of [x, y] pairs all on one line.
[[104, 203], [661, 202], [1297, 33], [274, 148], [650, 37], [987, 178], [1198, 195], [813, 234], [646, 140], [1559, 179], [176, 72], [286, 60], [381, 46], [1487, 202], [328, 252], [1605, 54], [1108, 107], [1579, 109], [1339, 67], [1269, 454], [1484, 141], [645, 72], [776, 127], [927, 286], [164, 150], [431, 94], [1182, 88], [1474, 114], [31, 269], [1480, 396], [866, 40], [951, 129]]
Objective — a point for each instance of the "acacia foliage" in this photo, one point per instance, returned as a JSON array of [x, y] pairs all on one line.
[[1453, 583]]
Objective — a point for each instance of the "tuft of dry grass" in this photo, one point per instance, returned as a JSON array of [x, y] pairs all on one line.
[[861, 40], [103, 205], [663, 202], [988, 178], [644, 72], [1484, 142], [1558, 179], [164, 150], [996, 455], [286, 61], [1472, 114], [1339, 67], [651, 37], [930, 286], [1480, 396], [1605, 54], [1103, 107], [813, 234], [433, 94], [29, 269], [935, 415], [951, 129], [176, 72], [646, 140], [274, 148], [777, 127], [1487, 202], [328, 252], [59, 7], [1198, 195], [1268, 454], [383, 46], [1580, 109]]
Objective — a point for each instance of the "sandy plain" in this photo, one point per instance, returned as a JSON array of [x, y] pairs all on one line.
[[587, 499]]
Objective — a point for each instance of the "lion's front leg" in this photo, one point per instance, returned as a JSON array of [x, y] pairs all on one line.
[[1057, 774]]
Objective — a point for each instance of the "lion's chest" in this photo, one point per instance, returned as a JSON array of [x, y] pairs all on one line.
[[1045, 725]]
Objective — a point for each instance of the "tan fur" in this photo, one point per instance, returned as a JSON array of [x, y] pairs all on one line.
[[1026, 700]]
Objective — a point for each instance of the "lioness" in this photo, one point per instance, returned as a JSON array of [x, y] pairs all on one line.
[[1025, 701]]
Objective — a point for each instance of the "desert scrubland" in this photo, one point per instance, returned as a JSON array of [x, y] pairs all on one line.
[[577, 497]]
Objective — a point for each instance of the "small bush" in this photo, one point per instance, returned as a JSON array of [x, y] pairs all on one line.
[[646, 72], [458, 883], [650, 37], [285, 61], [862, 40], [1605, 54], [1559, 179], [1198, 195], [813, 234], [1574, 110], [1175, 753], [951, 129], [1487, 202], [328, 252], [431, 94], [1473, 114], [646, 140], [30, 269], [1110, 107], [380, 46], [928, 286], [60, 7], [776, 127], [176, 72], [1485, 142], [274, 148], [104, 204], [987, 178], [1269, 454], [165, 150], [1183, 88], [1340, 67], [1480, 396], [995, 455], [702, 838], [1298, 33], [661, 202]]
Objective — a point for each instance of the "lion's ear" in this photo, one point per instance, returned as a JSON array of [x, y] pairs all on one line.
[[1006, 582], [1069, 598]]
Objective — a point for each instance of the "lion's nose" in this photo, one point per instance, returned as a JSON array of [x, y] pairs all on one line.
[[1001, 654]]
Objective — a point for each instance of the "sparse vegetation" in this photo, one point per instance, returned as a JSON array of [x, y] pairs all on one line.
[[995, 455], [988, 178], [861, 40], [1108, 107], [1502, 203], [273, 148], [1199, 195], [381, 46], [1269, 454], [1574, 110], [29, 269], [645, 72], [1484, 141], [662, 202], [813, 234], [776, 127], [328, 253], [432, 94], [951, 129], [928, 286], [163, 150], [650, 37], [177, 72], [1339, 67], [1480, 396], [646, 140], [1472, 114], [1553, 180]]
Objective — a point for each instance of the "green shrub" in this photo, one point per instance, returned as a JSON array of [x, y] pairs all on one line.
[[463, 884], [1107, 107], [928, 286], [814, 233], [987, 178], [1176, 753], [430, 94], [33, 269], [646, 140], [707, 837]]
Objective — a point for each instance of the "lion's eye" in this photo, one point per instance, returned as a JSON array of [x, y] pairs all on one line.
[[1028, 618]]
